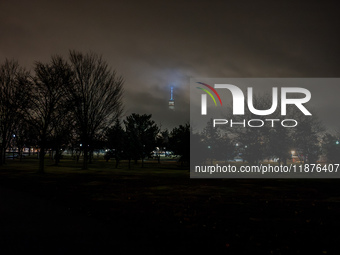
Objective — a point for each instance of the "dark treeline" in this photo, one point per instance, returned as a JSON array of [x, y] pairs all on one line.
[[75, 104], [138, 136], [307, 142]]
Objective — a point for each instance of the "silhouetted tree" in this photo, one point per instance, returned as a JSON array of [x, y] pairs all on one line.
[[331, 148], [116, 141], [22, 136], [197, 147], [225, 148], [211, 137], [179, 142], [212, 143], [141, 131], [62, 132], [97, 97], [280, 143], [253, 141], [14, 94], [307, 137], [48, 102], [162, 142]]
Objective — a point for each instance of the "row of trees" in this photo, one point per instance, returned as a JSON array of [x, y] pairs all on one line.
[[138, 136], [308, 140], [76, 99], [76, 104]]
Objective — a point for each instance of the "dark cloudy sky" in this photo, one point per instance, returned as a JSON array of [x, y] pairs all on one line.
[[158, 44]]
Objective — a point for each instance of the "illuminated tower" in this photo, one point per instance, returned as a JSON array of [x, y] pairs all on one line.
[[171, 101]]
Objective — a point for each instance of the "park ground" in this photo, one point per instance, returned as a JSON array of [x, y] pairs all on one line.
[[159, 209]]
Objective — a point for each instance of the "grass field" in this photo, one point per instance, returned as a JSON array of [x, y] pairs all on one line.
[[159, 209]]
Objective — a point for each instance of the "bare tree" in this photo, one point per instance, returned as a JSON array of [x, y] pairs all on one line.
[[48, 104], [97, 97], [14, 94], [63, 129]]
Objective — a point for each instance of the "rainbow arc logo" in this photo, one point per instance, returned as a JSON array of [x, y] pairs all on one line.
[[209, 93]]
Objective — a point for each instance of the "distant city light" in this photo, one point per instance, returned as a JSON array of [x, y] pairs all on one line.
[[172, 101]]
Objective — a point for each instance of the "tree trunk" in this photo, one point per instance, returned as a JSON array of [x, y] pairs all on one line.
[[57, 157], [3, 152], [1, 156], [90, 156], [85, 161], [41, 169], [20, 152], [117, 160]]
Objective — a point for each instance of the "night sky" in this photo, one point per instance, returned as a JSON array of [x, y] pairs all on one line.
[[156, 44]]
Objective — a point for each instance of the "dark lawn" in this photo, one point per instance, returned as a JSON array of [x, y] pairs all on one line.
[[159, 209]]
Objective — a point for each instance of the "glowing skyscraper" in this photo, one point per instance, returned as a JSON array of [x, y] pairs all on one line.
[[172, 101]]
